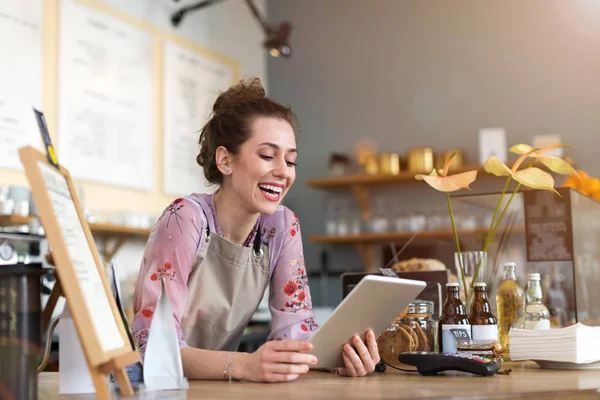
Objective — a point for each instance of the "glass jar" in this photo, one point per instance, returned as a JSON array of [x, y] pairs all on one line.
[[419, 317], [413, 330]]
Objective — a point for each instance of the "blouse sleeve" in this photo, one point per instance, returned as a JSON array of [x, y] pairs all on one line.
[[169, 254], [289, 295]]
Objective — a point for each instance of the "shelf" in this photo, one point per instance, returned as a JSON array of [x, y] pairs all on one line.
[[392, 236], [376, 180], [10, 220], [336, 182], [118, 230], [397, 236], [99, 231]]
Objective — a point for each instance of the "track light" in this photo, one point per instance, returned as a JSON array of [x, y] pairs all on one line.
[[277, 39]]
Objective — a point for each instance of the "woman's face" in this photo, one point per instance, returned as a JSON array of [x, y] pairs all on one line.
[[264, 170]]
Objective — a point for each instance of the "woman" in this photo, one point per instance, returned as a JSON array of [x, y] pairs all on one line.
[[218, 252]]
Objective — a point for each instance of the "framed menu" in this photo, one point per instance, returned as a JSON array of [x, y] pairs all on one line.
[[548, 225], [82, 279]]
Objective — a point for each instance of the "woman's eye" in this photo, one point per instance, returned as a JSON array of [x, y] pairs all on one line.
[[291, 164], [268, 158]]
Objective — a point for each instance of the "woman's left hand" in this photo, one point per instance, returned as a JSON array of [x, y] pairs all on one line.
[[361, 359]]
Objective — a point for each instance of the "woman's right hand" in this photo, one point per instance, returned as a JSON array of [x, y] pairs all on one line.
[[278, 361]]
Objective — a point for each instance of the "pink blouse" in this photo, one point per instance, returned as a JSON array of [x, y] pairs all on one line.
[[174, 243]]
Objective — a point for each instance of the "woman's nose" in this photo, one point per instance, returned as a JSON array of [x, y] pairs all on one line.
[[281, 169]]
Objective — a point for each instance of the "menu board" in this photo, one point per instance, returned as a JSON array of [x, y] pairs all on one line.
[[548, 225], [80, 253], [192, 82], [105, 98], [20, 76]]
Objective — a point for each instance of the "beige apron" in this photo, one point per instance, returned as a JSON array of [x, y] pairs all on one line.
[[225, 287]]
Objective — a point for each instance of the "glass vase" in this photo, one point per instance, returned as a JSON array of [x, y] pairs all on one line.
[[472, 262]]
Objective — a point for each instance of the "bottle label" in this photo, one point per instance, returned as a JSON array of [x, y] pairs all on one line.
[[537, 325], [485, 333], [450, 334]]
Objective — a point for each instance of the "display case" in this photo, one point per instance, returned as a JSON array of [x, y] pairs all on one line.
[[556, 235]]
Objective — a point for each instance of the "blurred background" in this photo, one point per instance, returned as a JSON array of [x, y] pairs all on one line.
[[383, 90]]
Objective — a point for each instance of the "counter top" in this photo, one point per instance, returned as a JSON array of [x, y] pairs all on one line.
[[525, 380]]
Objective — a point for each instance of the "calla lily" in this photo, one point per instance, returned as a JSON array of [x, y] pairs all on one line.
[[445, 183], [554, 163], [531, 177]]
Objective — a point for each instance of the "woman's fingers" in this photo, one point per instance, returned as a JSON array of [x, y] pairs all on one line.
[[280, 368], [372, 346], [271, 377], [365, 356], [355, 360], [349, 370]]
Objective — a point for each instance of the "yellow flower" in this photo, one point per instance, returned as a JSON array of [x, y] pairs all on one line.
[[531, 177], [445, 183], [554, 163]]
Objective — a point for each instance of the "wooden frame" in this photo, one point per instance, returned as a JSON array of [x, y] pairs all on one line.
[[105, 350]]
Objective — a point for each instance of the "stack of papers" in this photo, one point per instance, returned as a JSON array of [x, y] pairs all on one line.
[[577, 344]]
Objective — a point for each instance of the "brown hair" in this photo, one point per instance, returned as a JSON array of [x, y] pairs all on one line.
[[230, 122]]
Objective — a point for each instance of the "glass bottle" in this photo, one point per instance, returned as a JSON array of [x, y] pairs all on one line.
[[454, 321], [510, 301], [484, 324], [537, 315]]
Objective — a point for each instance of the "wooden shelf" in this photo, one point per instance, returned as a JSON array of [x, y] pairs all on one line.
[[10, 220], [118, 230], [376, 180], [394, 236], [106, 232]]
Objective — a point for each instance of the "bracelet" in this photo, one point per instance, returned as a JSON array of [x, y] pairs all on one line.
[[229, 366]]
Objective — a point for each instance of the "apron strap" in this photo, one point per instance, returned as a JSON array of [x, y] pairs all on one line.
[[257, 251]]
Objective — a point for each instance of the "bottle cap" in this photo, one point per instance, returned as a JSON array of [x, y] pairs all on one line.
[[480, 284], [510, 264], [452, 284], [534, 276]]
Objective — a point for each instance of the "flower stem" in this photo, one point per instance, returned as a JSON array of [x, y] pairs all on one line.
[[488, 239], [505, 209], [462, 270]]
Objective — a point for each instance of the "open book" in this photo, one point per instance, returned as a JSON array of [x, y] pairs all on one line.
[[579, 344]]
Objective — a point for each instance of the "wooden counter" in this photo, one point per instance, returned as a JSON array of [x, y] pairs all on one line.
[[526, 380]]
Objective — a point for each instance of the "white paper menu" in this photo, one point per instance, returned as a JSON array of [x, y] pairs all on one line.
[[81, 256]]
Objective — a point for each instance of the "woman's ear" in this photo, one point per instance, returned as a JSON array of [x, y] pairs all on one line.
[[223, 159]]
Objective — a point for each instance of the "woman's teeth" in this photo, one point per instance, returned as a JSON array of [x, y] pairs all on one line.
[[270, 188]]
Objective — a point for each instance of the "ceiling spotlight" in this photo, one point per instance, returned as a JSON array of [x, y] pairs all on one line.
[[277, 41]]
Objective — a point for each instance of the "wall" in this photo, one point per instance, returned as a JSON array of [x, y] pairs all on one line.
[[227, 28], [412, 73]]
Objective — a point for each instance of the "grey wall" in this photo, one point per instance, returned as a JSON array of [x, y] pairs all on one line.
[[417, 72]]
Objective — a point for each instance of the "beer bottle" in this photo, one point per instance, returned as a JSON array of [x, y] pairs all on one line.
[[510, 300], [454, 321], [484, 325]]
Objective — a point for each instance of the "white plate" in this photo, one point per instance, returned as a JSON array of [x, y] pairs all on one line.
[[566, 365]]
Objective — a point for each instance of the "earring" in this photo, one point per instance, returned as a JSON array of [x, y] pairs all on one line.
[[227, 171]]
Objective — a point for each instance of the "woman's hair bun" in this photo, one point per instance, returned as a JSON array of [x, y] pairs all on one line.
[[246, 91]]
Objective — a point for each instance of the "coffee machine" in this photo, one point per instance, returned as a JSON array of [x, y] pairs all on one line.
[[21, 274]]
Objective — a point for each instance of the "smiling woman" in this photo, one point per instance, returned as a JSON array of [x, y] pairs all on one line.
[[218, 252]]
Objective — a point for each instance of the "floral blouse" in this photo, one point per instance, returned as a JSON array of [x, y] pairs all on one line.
[[185, 220]]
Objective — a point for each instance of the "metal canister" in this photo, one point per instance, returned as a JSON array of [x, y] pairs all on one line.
[[389, 164], [420, 159]]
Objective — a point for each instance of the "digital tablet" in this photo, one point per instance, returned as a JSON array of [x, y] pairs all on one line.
[[374, 303]]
